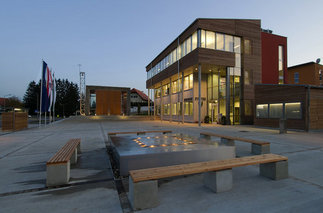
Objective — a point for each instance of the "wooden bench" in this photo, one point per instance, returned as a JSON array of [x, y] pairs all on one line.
[[140, 132], [58, 167], [143, 185], [257, 147]]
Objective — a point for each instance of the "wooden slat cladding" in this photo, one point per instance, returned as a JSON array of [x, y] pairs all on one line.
[[14, 121], [108, 102], [220, 58], [316, 108]]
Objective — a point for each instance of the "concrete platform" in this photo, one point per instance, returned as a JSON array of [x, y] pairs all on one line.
[[155, 150]]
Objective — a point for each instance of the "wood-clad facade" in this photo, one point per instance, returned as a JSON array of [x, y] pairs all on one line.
[[212, 62], [309, 97], [101, 100]]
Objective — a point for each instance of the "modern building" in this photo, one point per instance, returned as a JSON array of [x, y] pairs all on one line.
[[210, 69], [300, 105], [307, 73], [102, 100], [139, 102]]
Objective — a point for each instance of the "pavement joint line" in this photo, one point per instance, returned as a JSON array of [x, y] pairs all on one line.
[[24, 146], [55, 187], [304, 150], [123, 198], [304, 181]]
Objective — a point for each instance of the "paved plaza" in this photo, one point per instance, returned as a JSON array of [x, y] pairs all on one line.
[[93, 188]]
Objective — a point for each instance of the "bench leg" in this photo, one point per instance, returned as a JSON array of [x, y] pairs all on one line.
[[58, 174], [275, 171], [219, 181], [207, 137], [228, 142], [257, 149], [73, 159], [143, 195]]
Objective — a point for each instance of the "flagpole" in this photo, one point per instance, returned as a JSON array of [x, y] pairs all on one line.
[[41, 91], [54, 96]]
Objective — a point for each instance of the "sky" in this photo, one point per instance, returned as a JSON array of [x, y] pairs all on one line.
[[115, 40]]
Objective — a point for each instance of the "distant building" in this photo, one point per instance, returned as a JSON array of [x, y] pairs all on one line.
[[139, 102], [306, 74], [102, 100]]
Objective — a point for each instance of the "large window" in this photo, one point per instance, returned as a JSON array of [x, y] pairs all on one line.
[[210, 40], [276, 110], [203, 38], [293, 110], [229, 43], [177, 86], [262, 111], [166, 109], [194, 41], [219, 41], [247, 77], [157, 93], [188, 82], [166, 89], [188, 108]]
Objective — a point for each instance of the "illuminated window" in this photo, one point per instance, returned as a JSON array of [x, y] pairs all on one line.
[[276, 110], [262, 111], [229, 43], [174, 109], [219, 41], [194, 41], [210, 40], [247, 77], [203, 38], [166, 89], [293, 110], [188, 45], [179, 108], [166, 109], [157, 93], [188, 108]]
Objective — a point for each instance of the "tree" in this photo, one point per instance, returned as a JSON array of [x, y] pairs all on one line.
[[67, 97], [13, 102], [31, 97]]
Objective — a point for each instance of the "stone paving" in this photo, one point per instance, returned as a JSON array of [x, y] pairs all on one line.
[[92, 188]]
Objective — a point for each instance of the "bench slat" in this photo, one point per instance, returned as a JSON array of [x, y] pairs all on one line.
[[140, 132], [235, 138], [65, 153], [194, 168]]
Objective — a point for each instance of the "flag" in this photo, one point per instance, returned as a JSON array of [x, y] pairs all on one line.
[[54, 90], [44, 95], [49, 88]]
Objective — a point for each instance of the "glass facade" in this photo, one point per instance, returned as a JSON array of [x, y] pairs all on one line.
[[262, 111]]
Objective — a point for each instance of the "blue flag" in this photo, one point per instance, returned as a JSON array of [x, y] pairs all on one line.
[[45, 101]]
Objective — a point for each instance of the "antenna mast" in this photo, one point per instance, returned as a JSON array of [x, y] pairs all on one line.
[[82, 91]]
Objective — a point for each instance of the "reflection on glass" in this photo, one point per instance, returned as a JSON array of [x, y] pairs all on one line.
[[219, 41], [276, 110], [210, 40], [229, 43], [293, 110]]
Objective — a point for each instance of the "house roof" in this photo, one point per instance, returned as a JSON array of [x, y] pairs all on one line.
[[140, 93]]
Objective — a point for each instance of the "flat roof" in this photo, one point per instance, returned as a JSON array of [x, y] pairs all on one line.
[[300, 65]]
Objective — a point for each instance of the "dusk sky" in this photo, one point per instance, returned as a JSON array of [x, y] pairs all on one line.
[[115, 40]]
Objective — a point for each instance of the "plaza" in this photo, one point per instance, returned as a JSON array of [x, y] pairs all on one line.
[[94, 187]]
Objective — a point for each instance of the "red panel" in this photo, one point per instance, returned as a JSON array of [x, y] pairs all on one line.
[[269, 46]]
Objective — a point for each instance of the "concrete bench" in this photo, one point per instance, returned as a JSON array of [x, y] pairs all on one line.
[[143, 185], [140, 132], [257, 147], [58, 167]]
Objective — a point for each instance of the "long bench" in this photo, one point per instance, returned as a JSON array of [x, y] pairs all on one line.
[[58, 167], [143, 183], [140, 132], [257, 147]]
